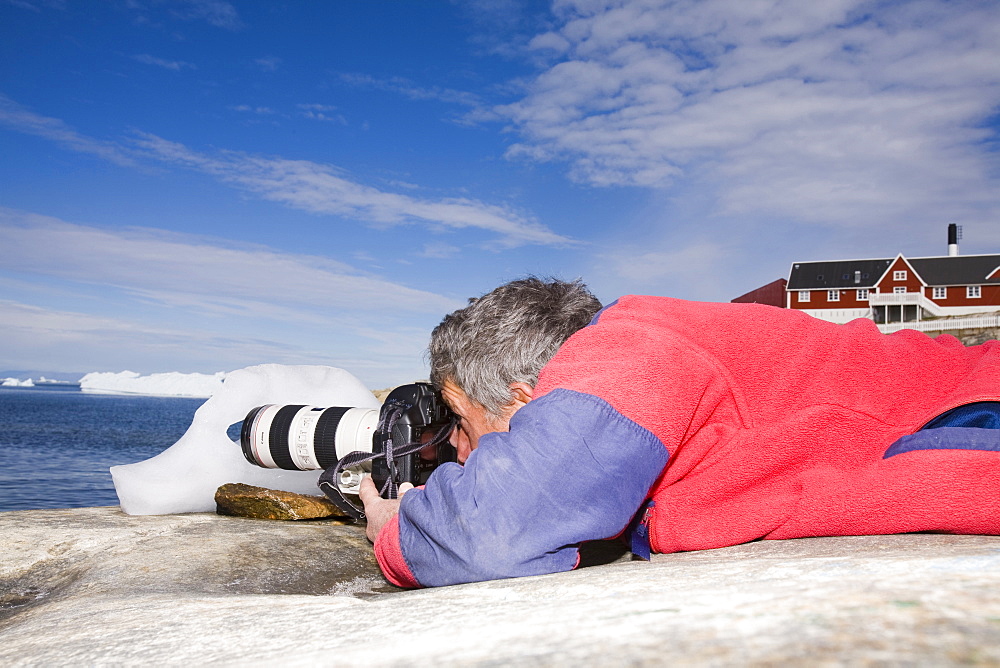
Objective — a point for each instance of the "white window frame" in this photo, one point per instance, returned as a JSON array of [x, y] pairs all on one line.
[[939, 293], [973, 291], [862, 294], [804, 296], [833, 295], [899, 275], [899, 290]]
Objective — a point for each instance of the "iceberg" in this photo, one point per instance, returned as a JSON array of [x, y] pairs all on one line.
[[171, 384], [14, 382], [183, 478], [42, 380]]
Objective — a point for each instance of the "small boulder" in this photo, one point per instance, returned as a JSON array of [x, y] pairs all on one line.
[[242, 500]]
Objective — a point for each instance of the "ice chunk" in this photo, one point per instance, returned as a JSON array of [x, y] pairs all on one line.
[[172, 384], [14, 382], [184, 477]]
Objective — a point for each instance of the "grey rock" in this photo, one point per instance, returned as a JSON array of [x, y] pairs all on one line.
[[96, 587]]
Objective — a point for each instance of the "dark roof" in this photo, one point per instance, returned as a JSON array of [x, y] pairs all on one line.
[[957, 270], [935, 271], [837, 274]]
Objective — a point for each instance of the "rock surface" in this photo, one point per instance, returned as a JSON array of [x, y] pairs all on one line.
[[96, 587], [240, 500]]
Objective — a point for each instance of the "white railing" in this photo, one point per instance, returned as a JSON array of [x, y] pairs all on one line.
[[972, 322], [895, 298], [904, 299]]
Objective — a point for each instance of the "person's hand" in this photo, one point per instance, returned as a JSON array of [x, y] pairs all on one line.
[[378, 510]]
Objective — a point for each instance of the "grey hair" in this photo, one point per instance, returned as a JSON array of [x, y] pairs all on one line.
[[507, 336]]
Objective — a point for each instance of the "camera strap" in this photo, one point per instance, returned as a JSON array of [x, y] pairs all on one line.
[[328, 479]]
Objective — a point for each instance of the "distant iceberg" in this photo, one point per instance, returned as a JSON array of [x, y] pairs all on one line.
[[50, 382], [172, 384], [14, 382], [42, 383]]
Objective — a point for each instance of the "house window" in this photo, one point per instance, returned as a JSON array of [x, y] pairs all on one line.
[[803, 296], [940, 293], [973, 291], [833, 295], [862, 294], [899, 290], [899, 275]]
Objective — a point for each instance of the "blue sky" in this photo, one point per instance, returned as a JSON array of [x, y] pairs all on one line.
[[199, 185]]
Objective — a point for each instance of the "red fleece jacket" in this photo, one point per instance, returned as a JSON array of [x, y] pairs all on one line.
[[777, 423]]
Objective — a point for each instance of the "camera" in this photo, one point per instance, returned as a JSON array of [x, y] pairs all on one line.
[[403, 442]]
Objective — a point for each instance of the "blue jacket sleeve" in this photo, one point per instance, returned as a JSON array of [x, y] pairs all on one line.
[[571, 469]]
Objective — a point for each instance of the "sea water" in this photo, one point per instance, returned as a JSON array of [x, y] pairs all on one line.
[[56, 446]]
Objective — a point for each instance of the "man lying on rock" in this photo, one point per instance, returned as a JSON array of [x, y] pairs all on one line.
[[684, 426]]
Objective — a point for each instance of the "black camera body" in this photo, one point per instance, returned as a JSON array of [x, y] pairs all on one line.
[[409, 415], [402, 442]]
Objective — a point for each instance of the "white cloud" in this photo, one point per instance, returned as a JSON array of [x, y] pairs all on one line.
[[321, 112], [218, 13], [323, 189], [300, 184], [175, 65], [38, 5], [550, 40], [407, 88], [246, 108], [194, 273], [23, 120], [268, 63], [158, 301], [643, 266], [695, 268], [73, 341], [843, 112], [34, 326], [59, 339], [439, 251]]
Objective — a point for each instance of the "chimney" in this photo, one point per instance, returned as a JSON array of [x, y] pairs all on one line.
[[954, 234]]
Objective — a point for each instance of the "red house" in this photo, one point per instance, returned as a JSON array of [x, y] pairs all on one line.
[[899, 289]]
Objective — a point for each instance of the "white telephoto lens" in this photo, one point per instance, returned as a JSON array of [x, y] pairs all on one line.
[[261, 444], [356, 431], [301, 434]]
